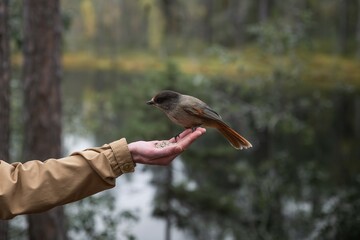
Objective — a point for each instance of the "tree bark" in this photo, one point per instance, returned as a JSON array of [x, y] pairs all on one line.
[[169, 11], [358, 31], [343, 26], [207, 21], [239, 16], [4, 95], [264, 10], [4, 82], [42, 101]]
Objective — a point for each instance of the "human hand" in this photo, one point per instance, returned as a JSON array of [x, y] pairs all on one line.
[[163, 152]]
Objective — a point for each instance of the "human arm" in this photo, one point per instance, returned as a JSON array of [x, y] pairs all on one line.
[[37, 186]]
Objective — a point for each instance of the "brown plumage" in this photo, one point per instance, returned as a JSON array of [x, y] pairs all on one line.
[[191, 112]]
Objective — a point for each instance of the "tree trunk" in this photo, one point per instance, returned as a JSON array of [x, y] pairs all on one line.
[[4, 95], [4, 82], [264, 10], [358, 31], [207, 21], [169, 10], [48, 225], [42, 101], [239, 16], [343, 26]]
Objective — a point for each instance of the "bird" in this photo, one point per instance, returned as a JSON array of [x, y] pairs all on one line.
[[190, 112]]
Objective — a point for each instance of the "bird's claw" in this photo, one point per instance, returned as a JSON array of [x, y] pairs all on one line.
[[176, 137], [193, 129]]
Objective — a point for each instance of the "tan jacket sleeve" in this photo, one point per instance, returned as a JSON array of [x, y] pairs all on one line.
[[37, 186]]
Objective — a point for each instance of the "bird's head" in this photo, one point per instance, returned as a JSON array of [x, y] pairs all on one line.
[[165, 100]]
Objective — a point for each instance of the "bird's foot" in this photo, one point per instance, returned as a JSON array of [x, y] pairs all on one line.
[[176, 137], [193, 129]]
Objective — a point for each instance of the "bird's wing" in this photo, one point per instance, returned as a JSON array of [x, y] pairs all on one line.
[[206, 111]]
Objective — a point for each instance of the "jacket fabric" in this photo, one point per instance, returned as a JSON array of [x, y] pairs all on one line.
[[37, 186]]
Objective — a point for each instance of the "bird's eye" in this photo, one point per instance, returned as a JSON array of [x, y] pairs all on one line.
[[159, 100]]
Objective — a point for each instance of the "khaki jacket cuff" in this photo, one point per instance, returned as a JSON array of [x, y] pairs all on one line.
[[123, 162]]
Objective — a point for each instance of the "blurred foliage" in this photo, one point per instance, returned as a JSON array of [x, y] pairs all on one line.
[[341, 221], [271, 40], [87, 222], [88, 14], [325, 26]]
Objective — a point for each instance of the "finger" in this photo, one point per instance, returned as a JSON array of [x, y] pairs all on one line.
[[190, 138], [181, 135], [185, 133], [201, 129]]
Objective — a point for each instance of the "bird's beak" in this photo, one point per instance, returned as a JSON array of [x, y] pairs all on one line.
[[151, 102]]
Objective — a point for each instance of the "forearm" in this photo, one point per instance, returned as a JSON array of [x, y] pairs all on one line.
[[37, 186]]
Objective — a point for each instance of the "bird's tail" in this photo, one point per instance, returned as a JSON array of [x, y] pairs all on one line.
[[235, 139]]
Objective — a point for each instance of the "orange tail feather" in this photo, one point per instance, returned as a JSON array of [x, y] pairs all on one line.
[[235, 139]]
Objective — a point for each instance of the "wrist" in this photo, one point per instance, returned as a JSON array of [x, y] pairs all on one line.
[[134, 152]]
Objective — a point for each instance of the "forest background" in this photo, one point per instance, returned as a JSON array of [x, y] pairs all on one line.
[[286, 74]]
